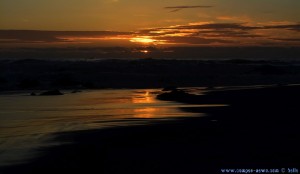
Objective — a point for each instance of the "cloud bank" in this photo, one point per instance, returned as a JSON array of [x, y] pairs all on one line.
[[228, 34], [37, 36], [192, 34], [177, 8]]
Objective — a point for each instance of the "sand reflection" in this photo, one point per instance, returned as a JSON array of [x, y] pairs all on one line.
[[143, 97], [27, 122], [146, 112]]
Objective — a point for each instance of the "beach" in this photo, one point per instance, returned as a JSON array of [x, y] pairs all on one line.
[[257, 131], [113, 116], [149, 87], [30, 122]]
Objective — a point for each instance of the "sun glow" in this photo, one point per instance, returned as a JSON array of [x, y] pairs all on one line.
[[145, 40]]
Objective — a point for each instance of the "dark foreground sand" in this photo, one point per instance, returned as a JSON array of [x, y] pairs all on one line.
[[259, 129]]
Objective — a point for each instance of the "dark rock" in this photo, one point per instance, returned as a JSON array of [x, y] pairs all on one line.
[[52, 92], [174, 95], [75, 91], [33, 94], [170, 88]]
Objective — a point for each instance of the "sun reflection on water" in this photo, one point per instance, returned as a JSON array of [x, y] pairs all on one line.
[[143, 110], [146, 112], [27, 122], [144, 97]]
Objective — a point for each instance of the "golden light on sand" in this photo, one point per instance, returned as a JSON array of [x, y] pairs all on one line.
[[143, 98], [146, 112]]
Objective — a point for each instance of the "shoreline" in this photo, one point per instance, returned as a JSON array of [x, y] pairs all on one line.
[[244, 134]]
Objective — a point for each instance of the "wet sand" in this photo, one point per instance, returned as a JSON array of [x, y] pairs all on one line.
[[258, 129]]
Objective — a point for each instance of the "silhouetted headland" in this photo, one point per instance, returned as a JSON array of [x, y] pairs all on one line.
[[52, 92]]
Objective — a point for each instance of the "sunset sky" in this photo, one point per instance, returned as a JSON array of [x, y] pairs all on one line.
[[155, 22]]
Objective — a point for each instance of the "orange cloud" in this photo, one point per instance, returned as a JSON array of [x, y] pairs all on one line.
[[197, 33]]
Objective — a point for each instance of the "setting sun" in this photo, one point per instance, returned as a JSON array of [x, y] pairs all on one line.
[[145, 40]]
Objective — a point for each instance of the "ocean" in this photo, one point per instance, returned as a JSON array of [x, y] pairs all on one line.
[[31, 122], [154, 52]]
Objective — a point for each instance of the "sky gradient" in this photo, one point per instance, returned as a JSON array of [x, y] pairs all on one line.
[[155, 22]]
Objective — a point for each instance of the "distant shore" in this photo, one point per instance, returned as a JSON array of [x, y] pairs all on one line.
[[69, 52], [33, 74]]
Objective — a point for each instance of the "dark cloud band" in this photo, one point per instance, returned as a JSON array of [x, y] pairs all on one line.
[[177, 8], [205, 34]]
